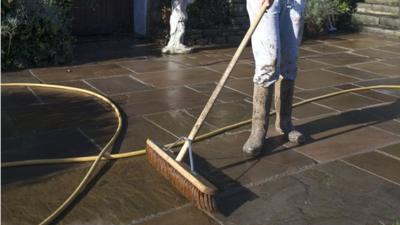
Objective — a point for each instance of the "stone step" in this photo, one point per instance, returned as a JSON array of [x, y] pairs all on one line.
[[388, 33], [378, 9], [390, 22], [384, 2]]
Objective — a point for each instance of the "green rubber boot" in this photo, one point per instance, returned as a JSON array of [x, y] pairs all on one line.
[[283, 105], [262, 98]]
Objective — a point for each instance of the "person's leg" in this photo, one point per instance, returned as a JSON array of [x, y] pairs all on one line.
[[291, 30], [265, 45]]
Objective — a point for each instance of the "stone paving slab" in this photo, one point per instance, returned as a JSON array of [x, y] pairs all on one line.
[[179, 77], [221, 161], [117, 85], [23, 76], [321, 78], [128, 191], [141, 66], [353, 72], [344, 174], [76, 73], [329, 194], [377, 163], [380, 68], [393, 150], [227, 94]]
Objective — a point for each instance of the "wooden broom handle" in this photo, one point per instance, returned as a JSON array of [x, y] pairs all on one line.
[[222, 81]]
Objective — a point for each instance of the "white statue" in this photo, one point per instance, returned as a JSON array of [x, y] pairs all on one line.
[[177, 26]]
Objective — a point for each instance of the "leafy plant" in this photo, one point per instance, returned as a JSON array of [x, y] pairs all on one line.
[[35, 33], [319, 12]]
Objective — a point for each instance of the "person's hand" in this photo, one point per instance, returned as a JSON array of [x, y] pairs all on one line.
[[269, 2]]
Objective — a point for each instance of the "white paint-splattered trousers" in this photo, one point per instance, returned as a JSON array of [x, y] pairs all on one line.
[[276, 40]]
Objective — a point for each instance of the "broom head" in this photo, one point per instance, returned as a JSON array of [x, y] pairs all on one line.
[[194, 187]]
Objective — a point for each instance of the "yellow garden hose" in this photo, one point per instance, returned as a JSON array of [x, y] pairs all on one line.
[[103, 153], [96, 159]]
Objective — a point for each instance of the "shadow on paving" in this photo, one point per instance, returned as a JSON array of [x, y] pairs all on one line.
[[209, 155], [60, 125], [100, 49]]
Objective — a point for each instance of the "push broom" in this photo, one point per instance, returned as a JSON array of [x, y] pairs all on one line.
[[193, 186]]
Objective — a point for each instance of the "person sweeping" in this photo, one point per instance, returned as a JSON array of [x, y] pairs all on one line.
[[275, 44]]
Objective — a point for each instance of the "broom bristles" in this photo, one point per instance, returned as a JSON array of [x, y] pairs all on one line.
[[204, 200]]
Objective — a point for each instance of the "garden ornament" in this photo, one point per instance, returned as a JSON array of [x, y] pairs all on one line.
[[177, 28]]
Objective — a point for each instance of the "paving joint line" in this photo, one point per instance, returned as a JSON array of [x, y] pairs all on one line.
[[369, 172], [159, 126], [38, 98], [388, 155], [159, 214], [89, 138], [36, 77]]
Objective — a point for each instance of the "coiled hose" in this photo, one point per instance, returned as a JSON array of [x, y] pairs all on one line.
[[104, 153]]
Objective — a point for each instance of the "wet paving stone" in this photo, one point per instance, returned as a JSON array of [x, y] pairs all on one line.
[[340, 59], [376, 53], [58, 116], [128, 191], [139, 130], [200, 59], [143, 66], [392, 61], [116, 85], [320, 78], [369, 93], [179, 78], [348, 101], [285, 185], [58, 144], [391, 48], [8, 129], [325, 48], [362, 43], [226, 95], [79, 72], [247, 52], [379, 164], [221, 161], [304, 53], [181, 216], [337, 136], [348, 71], [380, 68], [241, 70], [385, 81], [226, 114], [23, 76], [329, 194], [310, 110], [178, 122], [153, 101], [78, 84], [16, 96], [393, 150], [243, 85], [307, 94], [306, 64], [392, 126]]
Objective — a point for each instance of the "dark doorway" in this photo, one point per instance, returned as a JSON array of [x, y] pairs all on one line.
[[102, 17]]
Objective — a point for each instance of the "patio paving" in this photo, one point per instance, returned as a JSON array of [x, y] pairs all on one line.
[[347, 172]]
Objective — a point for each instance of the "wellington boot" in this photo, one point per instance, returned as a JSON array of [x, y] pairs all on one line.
[[262, 98], [283, 105]]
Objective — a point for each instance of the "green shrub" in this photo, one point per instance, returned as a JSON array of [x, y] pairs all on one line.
[[319, 12], [35, 33]]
